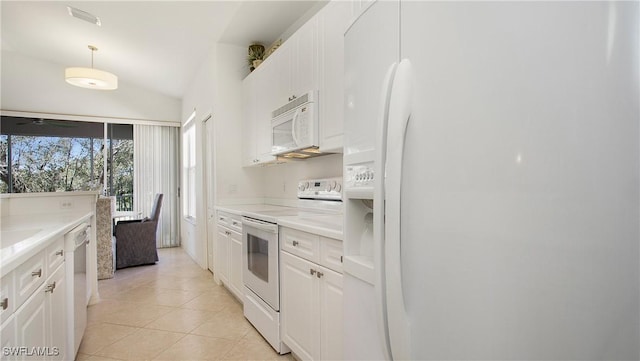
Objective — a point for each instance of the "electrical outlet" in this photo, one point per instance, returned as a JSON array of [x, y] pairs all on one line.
[[67, 204], [233, 188]]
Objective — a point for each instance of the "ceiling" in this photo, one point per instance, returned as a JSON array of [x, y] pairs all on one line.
[[156, 45]]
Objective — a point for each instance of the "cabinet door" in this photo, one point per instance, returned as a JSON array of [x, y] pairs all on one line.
[[222, 260], [305, 70], [269, 98], [248, 104], [299, 306], [7, 296], [331, 321], [31, 321], [8, 335], [57, 316], [262, 120], [236, 265], [333, 21], [283, 69]]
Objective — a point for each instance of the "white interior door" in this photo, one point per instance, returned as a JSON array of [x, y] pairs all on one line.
[[209, 187]]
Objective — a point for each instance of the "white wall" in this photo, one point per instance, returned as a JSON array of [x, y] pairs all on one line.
[[216, 90], [233, 183], [199, 97], [32, 85]]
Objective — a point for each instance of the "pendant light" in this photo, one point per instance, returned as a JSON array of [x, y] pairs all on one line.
[[91, 78]]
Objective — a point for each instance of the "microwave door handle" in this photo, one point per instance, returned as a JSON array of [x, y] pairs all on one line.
[[293, 126]]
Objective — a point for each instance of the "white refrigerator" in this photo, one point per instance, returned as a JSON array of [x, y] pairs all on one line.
[[492, 162]]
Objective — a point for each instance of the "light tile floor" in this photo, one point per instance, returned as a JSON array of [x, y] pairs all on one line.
[[172, 310]]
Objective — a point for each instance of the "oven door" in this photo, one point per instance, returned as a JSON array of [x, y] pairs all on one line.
[[260, 264]]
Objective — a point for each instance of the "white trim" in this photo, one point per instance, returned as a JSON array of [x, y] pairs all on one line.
[[190, 119], [88, 118]]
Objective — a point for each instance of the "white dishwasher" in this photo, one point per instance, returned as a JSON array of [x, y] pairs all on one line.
[[75, 243]]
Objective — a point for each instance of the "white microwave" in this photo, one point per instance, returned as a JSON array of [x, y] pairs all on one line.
[[294, 128]]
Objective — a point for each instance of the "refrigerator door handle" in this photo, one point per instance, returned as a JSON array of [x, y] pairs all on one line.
[[399, 114], [378, 205]]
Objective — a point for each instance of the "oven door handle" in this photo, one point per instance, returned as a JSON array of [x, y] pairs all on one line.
[[264, 226]]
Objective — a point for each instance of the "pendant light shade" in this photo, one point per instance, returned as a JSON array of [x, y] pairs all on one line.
[[91, 78]]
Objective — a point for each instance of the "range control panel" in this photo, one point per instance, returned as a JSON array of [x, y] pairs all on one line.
[[322, 189]]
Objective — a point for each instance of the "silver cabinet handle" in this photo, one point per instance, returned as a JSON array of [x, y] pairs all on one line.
[[37, 273], [319, 274], [312, 271], [50, 287], [5, 303], [60, 253], [341, 261], [221, 218], [295, 243]]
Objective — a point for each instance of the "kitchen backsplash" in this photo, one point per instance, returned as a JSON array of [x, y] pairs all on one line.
[[281, 180]]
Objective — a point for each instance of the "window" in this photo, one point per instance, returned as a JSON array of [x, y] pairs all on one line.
[[43, 155], [189, 168], [120, 165]]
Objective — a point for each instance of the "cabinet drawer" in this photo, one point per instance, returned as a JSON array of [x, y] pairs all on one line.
[[29, 276], [224, 219], [331, 253], [7, 297], [55, 255], [236, 223], [231, 221], [299, 243]]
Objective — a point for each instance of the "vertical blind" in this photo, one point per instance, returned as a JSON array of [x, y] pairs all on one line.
[[156, 170]]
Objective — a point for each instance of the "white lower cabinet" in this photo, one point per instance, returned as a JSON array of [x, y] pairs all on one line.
[[31, 321], [57, 317], [222, 254], [331, 320], [33, 308], [310, 308], [299, 306], [40, 322], [235, 271], [8, 336], [229, 253]]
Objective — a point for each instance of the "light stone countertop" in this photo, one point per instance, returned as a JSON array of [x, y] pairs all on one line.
[[22, 237], [239, 208], [329, 225]]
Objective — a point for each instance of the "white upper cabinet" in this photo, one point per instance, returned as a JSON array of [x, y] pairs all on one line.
[[248, 108], [333, 20], [305, 58], [256, 119], [282, 63], [312, 59], [296, 64]]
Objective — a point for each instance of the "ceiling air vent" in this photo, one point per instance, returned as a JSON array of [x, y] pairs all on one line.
[[83, 15]]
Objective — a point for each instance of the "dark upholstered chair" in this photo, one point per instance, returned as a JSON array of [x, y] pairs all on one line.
[[136, 239]]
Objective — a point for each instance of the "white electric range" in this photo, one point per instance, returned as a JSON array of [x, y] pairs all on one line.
[[321, 198]]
